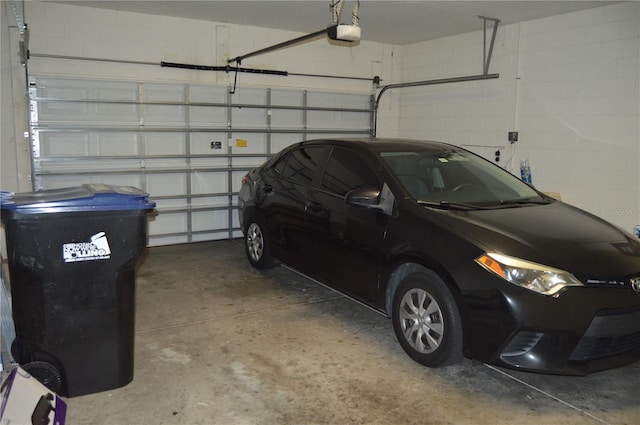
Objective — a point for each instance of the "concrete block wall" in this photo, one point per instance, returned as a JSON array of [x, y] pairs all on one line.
[[569, 84], [579, 108]]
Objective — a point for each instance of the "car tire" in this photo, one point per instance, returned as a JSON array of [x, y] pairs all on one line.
[[426, 320], [256, 244]]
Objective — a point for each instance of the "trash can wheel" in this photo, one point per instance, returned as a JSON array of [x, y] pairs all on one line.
[[46, 373]]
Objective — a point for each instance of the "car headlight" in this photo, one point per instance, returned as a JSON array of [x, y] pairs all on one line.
[[535, 277]]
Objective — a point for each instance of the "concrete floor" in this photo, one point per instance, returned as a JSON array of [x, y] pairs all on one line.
[[220, 343]]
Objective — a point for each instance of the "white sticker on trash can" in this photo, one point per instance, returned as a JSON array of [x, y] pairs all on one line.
[[96, 249]]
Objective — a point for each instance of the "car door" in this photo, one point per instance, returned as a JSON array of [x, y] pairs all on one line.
[[345, 242], [285, 187]]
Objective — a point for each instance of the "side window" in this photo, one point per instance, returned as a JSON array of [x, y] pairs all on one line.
[[301, 164], [347, 171]]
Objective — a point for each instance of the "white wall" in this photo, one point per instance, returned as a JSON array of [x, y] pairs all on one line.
[[98, 33], [569, 84]]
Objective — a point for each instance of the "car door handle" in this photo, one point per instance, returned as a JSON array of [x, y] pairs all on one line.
[[314, 207], [267, 188]]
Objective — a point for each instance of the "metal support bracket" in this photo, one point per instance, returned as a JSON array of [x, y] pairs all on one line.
[[486, 57], [376, 103]]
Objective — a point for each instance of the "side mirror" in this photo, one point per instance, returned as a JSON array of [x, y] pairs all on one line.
[[368, 197], [372, 198]]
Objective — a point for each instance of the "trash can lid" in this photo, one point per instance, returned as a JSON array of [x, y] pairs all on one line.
[[88, 197]]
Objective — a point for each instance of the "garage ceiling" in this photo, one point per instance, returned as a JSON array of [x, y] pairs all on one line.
[[394, 22]]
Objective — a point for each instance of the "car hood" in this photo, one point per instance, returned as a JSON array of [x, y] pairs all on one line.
[[555, 234]]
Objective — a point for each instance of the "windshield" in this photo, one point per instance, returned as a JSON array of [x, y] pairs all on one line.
[[457, 177]]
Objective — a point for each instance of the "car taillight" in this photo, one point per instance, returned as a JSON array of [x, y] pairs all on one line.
[[245, 179]]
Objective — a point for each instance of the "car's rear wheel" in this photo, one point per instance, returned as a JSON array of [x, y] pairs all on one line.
[[257, 245], [426, 320]]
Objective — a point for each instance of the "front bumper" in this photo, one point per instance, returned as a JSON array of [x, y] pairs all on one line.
[[612, 339], [582, 330]]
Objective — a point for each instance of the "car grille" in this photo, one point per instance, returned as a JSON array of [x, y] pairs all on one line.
[[608, 334], [619, 281]]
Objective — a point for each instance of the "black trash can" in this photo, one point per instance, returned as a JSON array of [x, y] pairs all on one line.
[[72, 255]]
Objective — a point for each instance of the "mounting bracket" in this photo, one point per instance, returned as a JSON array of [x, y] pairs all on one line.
[[486, 58]]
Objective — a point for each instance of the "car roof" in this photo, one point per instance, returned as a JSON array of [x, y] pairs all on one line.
[[382, 144]]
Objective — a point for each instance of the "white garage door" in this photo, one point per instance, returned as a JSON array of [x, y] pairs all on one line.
[[187, 145]]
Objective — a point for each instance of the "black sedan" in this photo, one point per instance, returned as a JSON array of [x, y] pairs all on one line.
[[465, 258]]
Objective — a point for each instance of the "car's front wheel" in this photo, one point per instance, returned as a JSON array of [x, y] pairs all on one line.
[[426, 320], [257, 245]]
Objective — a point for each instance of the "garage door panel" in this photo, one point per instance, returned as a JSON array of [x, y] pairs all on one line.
[[210, 220], [249, 117], [236, 180], [248, 143], [62, 112], [211, 236], [75, 101], [206, 114], [161, 143], [209, 182], [165, 164], [168, 222], [281, 116], [161, 92], [171, 204], [281, 141], [210, 201], [287, 119], [82, 144], [63, 144], [90, 166], [113, 114], [63, 88], [77, 114], [115, 143], [167, 184], [250, 96], [209, 143], [331, 119], [158, 240], [208, 117], [287, 97], [248, 162], [221, 162], [187, 145], [135, 180], [163, 116], [338, 100], [69, 180]]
